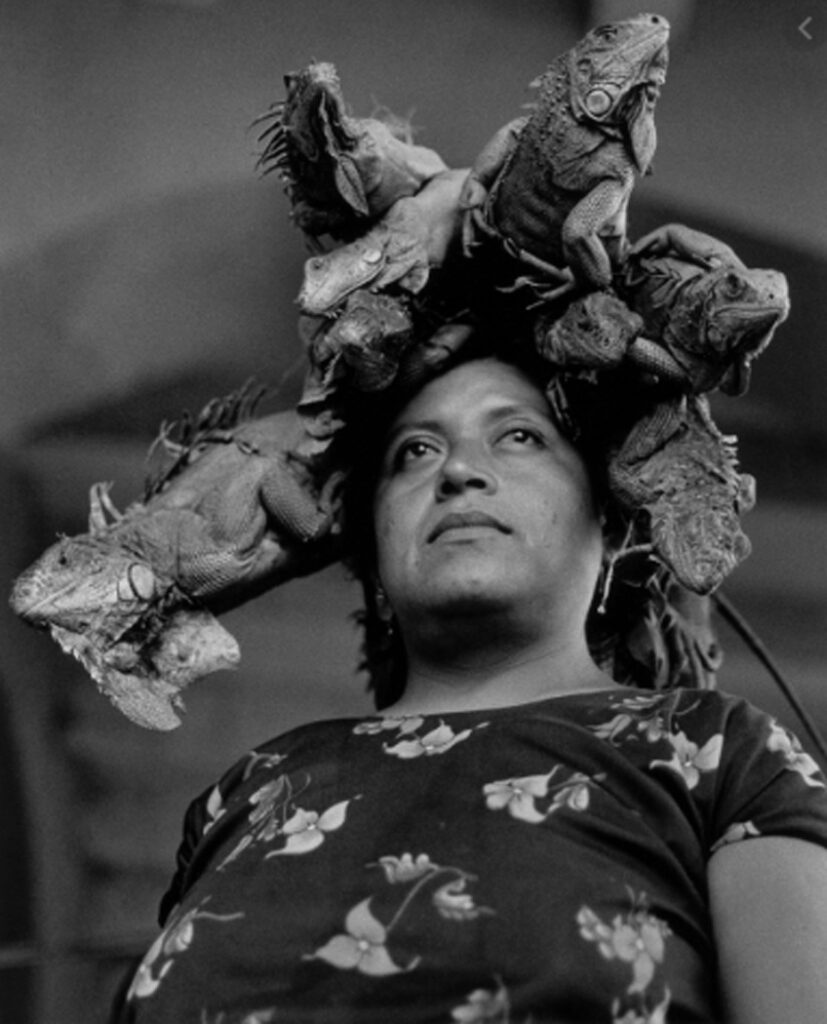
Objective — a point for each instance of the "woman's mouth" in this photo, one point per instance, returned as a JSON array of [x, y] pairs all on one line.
[[466, 520]]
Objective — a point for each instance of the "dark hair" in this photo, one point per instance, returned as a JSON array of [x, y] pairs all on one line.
[[642, 628]]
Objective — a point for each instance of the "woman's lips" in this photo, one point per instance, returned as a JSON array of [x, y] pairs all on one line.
[[461, 520]]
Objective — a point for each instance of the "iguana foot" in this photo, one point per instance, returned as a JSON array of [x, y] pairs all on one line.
[[685, 243]]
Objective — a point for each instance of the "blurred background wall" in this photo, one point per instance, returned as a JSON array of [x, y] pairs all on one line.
[[145, 266]]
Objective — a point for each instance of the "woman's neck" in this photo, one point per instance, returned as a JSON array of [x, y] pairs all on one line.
[[497, 676]]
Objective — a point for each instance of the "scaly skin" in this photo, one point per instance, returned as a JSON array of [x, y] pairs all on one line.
[[555, 186], [676, 467], [709, 313], [341, 173], [238, 513], [416, 235]]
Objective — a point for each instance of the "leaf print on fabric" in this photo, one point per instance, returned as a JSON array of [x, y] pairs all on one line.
[[637, 938], [362, 948], [690, 761], [175, 939], [305, 830], [521, 795], [737, 831], [437, 741], [796, 758], [215, 808], [259, 762], [483, 1007]]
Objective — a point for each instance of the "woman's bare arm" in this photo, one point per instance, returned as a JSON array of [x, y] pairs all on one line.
[[768, 898]]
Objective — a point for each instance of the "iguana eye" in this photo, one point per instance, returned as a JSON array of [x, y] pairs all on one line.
[[607, 32], [733, 286], [598, 101]]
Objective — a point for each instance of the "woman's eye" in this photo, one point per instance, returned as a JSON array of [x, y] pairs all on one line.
[[410, 452], [524, 436]]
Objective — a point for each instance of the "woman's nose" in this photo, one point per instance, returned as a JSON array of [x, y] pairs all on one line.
[[465, 469]]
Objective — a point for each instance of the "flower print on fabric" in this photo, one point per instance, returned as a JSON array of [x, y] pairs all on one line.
[[526, 798], [483, 1006], [647, 718], [174, 940], [411, 741], [655, 719], [637, 938], [363, 945], [270, 1015], [215, 807], [651, 716], [275, 814], [689, 760], [435, 741], [400, 724], [657, 1015], [737, 831], [306, 830], [797, 759]]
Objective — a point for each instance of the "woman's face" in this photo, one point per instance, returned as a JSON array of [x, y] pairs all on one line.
[[481, 503]]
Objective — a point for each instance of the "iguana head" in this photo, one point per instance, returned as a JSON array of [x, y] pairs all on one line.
[[81, 582], [616, 72], [330, 278], [314, 110], [724, 320]]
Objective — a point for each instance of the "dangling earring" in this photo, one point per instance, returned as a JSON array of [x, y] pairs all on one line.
[[604, 582], [384, 611]]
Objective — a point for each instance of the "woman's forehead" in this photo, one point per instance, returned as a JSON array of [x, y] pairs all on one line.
[[481, 388]]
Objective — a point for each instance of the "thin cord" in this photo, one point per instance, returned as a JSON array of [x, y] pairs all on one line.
[[748, 635]]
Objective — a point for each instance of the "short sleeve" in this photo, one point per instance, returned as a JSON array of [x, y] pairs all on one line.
[[767, 784], [200, 817]]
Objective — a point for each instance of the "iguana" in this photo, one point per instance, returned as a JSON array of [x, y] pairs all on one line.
[[679, 472], [554, 186], [340, 172], [706, 311], [416, 235], [368, 339], [239, 510], [691, 316]]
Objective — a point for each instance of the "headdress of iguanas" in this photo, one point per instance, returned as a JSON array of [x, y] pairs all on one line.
[[239, 510], [554, 186]]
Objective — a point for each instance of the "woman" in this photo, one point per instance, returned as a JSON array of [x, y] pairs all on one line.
[[518, 837]]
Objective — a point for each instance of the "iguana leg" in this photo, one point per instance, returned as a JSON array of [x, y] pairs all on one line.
[[686, 243], [550, 273], [482, 176], [292, 504], [585, 250], [653, 358]]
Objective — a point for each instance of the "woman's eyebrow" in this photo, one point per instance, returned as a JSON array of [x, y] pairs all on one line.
[[406, 426], [502, 412]]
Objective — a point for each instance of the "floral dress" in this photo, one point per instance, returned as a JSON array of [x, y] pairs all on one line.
[[532, 864]]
